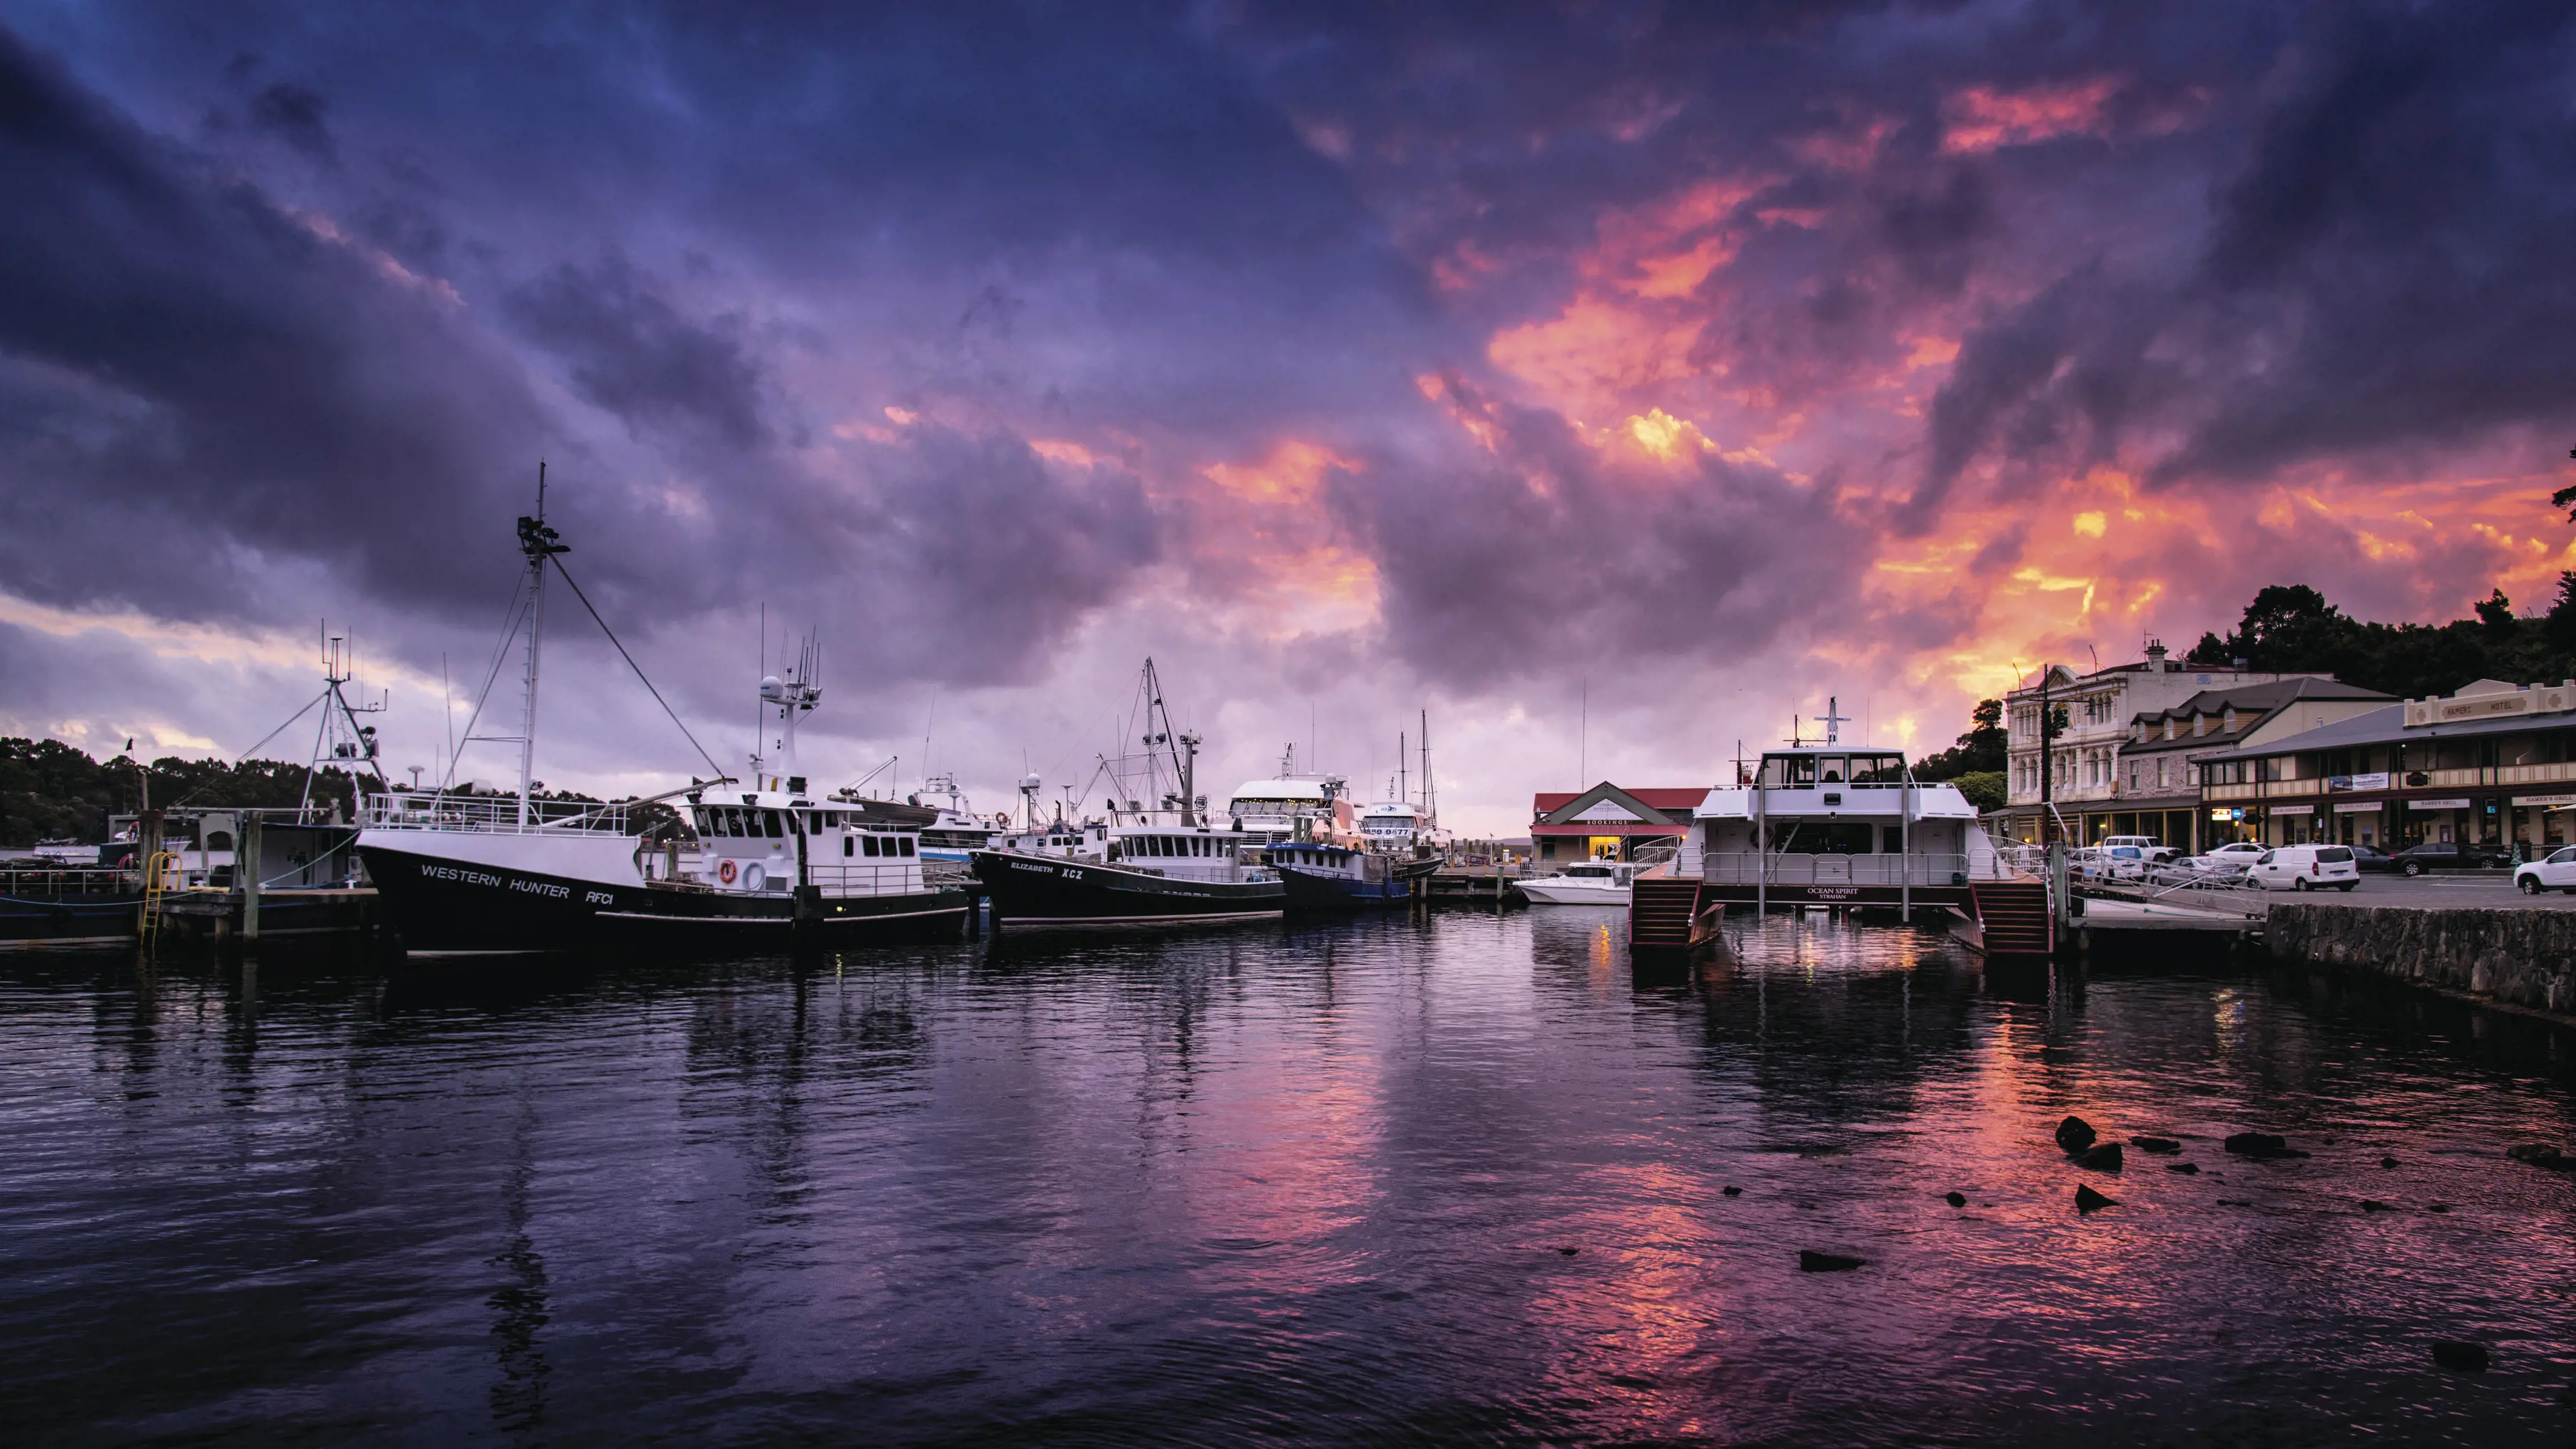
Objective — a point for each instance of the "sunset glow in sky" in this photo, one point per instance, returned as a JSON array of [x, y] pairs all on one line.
[[1613, 381]]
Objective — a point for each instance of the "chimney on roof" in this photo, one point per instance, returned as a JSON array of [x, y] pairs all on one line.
[[2156, 655]]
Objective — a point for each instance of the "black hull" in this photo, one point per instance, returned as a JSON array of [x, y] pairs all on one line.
[[69, 922], [1315, 891], [1040, 892], [436, 906]]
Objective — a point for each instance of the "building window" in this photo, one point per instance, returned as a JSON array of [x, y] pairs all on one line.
[[2160, 774]]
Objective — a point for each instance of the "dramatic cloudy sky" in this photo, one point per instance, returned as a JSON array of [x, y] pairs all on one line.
[[1698, 362]]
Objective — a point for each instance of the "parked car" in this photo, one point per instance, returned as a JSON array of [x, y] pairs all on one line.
[[2306, 868], [2229, 859], [2555, 871], [2373, 861], [2110, 860], [2446, 855], [2148, 850]]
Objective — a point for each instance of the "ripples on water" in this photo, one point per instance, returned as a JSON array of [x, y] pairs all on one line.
[[1455, 1180]]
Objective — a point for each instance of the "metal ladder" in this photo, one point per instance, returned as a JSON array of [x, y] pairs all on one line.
[[147, 930]]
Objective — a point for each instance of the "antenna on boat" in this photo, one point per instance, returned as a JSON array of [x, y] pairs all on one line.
[[1835, 719]]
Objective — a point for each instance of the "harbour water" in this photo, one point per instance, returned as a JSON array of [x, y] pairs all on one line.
[[1463, 1178]]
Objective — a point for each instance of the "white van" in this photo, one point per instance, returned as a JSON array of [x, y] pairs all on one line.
[[2305, 868]]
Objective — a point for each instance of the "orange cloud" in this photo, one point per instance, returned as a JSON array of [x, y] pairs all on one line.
[[1982, 118]]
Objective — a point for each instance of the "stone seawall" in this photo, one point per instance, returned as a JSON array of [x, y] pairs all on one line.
[[2522, 958]]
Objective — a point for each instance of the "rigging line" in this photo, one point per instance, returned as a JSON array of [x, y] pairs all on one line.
[[639, 670], [522, 603], [246, 754]]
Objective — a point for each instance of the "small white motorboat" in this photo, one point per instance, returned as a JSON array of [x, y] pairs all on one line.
[[1602, 884]]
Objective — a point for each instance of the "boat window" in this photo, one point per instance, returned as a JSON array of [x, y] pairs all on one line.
[[1834, 767], [849, 845], [869, 844], [1817, 837], [733, 823], [770, 819], [1789, 771], [906, 843]]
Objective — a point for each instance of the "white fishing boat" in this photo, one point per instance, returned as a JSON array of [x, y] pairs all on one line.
[[1601, 884]]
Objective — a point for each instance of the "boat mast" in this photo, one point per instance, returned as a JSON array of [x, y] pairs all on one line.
[[1430, 796], [1180, 747], [537, 543]]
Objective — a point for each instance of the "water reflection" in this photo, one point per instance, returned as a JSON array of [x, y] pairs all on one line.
[[1455, 1176]]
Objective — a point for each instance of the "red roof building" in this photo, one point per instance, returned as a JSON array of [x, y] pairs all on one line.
[[1609, 823]]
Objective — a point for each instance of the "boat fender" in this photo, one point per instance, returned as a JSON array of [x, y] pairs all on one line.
[[754, 878], [724, 872]]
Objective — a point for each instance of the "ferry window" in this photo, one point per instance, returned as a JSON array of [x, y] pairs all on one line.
[[906, 843], [734, 824], [849, 845], [1834, 769], [770, 818], [868, 844]]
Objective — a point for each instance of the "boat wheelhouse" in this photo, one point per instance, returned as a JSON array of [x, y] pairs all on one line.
[[1291, 806]]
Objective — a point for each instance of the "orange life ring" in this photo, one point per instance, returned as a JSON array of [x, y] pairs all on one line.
[[724, 872]]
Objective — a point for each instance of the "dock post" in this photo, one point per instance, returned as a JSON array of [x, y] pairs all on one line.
[[246, 873]]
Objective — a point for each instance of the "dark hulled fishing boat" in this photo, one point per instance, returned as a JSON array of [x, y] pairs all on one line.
[[771, 862], [1158, 862], [1321, 877]]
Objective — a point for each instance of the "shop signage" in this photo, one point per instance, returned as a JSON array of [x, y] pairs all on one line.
[[2355, 807], [2294, 810], [2437, 804], [2544, 799], [2337, 784], [2222, 812]]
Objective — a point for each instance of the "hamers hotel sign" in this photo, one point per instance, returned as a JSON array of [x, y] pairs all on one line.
[[2491, 699]]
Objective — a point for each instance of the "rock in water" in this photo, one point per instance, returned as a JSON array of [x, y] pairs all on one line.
[[2261, 1145], [2087, 1200], [2164, 1145], [2468, 1358], [2105, 1158], [1956, 1199], [2547, 1158], [2074, 1135], [2388, 1162], [2374, 1205], [1735, 1192], [1811, 1261], [2185, 1168]]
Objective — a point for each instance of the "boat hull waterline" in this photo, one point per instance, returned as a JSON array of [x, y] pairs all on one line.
[[1030, 892], [438, 905]]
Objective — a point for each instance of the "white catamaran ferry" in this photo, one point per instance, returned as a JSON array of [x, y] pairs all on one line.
[[1840, 824], [477, 873]]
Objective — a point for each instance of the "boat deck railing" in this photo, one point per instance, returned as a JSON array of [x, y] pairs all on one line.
[[1746, 868], [485, 814]]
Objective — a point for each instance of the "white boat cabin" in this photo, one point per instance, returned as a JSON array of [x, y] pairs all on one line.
[[1185, 852], [752, 840], [1831, 815]]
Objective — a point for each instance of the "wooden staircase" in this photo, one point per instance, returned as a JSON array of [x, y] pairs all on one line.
[[2013, 915], [1663, 911]]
